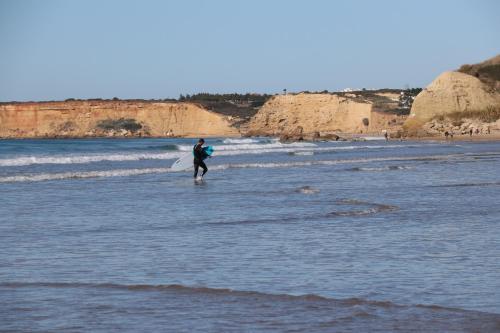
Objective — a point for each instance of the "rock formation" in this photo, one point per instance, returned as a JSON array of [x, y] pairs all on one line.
[[318, 115], [92, 118], [451, 93]]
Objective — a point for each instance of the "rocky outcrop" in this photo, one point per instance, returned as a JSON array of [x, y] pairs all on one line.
[[466, 126], [451, 92], [455, 93], [320, 115], [92, 118]]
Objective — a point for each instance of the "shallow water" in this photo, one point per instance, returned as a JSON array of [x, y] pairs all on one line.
[[100, 235]]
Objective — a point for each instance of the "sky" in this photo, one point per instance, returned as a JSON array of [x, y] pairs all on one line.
[[54, 50]]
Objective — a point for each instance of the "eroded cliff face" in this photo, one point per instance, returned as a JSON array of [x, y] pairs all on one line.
[[319, 113], [82, 118], [308, 114], [448, 93]]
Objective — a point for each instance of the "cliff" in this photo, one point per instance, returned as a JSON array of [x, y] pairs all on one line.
[[325, 113], [111, 118], [449, 93], [459, 102]]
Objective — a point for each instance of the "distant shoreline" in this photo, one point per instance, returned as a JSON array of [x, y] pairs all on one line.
[[459, 138], [344, 136]]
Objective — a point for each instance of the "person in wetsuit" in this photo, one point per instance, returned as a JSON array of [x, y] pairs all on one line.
[[199, 156]]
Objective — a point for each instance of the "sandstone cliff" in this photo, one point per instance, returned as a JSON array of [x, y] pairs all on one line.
[[85, 118], [322, 113], [452, 93]]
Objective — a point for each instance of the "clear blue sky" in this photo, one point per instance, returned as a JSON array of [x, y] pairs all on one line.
[[160, 49]]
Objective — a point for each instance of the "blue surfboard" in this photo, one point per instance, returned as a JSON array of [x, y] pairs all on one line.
[[208, 150]]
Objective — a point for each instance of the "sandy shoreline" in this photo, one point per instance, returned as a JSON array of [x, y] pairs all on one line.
[[347, 137], [484, 137]]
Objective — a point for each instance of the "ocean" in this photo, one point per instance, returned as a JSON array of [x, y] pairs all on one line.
[[99, 235]]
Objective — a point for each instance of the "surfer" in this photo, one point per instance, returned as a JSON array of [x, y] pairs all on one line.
[[199, 155]]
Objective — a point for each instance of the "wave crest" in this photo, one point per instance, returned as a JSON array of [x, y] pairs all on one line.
[[176, 151], [193, 289], [131, 172], [353, 301]]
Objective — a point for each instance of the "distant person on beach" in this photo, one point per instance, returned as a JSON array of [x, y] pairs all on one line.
[[199, 156], [446, 134], [386, 136], [470, 132]]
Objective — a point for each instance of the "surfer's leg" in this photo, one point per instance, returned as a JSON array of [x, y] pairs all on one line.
[[196, 165], [204, 167]]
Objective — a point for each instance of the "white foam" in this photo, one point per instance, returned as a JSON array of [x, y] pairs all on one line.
[[300, 148], [253, 146], [82, 159], [240, 141], [89, 174], [132, 172], [303, 153]]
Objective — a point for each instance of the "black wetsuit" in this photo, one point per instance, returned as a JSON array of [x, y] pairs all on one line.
[[199, 156]]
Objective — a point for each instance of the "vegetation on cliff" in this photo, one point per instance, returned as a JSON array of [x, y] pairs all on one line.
[[487, 71], [126, 124], [235, 105], [234, 98]]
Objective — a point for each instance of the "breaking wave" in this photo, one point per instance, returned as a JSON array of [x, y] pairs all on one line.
[[302, 153], [82, 159], [254, 146], [81, 175], [297, 148], [132, 172], [246, 140]]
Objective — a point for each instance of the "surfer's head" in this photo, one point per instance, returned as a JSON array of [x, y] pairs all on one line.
[[201, 141]]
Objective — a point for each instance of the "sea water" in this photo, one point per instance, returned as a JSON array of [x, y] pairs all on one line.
[[99, 235]]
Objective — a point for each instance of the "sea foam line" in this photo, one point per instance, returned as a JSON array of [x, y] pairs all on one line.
[[235, 150], [217, 167], [181, 150]]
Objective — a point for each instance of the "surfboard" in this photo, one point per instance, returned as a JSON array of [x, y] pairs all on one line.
[[186, 161], [209, 150]]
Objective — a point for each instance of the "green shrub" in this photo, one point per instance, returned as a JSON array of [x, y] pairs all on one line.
[[491, 71], [128, 124]]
